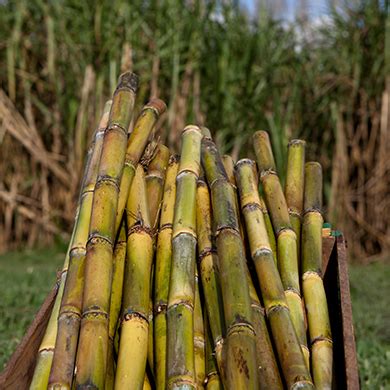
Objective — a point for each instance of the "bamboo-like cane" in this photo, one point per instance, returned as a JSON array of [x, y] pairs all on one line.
[[199, 341], [69, 315], [116, 301], [209, 271], [91, 361], [291, 358], [162, 273], [155, 178], [136, 145], [241, 371], [286, 237], [270, 229], [131, 365], [268, 371], [294, 186], [212, 381], [180, 355], [312, 284]]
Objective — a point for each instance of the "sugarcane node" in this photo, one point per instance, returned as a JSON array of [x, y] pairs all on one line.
[[293, 291], [286, 231], [100, 133], [166, 226], [237, 325], [251, 207], [294, 213], [314, 210], [258, 253], [191, 128], [127, 81], [181, 383], [140, 228], [157, 105], [94, 313], [267, 172], [77, 251], [160, 308], [69, 316], [130, 314], [321, 339], [201, 182], [109, 180], [205, 252], [180, 302], [96, 238], [183, 171], [115, 126], [300, 384], [276, 308], [244, 161], [257, 306], [183, 231]]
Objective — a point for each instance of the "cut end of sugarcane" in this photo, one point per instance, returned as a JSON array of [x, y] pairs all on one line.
[[205, 132], [191, 128], [158, 105], [244, 161], [128, 80], [295, 142]]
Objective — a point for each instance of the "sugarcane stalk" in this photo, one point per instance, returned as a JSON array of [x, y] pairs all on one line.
[[212, 381], [199, 341], [135, 147], [312, 284], [91, 361], [162, 273], [180, 354], [295, 177], [286, 237], [209, 271], [290, 355], [69, 315], [155, 178], [115, 301], [270, 230], [241, 371], [131, 365], [267, 367]]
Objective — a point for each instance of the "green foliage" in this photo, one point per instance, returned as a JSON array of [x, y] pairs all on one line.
[[369, 289]]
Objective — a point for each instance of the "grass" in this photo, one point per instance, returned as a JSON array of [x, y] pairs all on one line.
[[26, 278]]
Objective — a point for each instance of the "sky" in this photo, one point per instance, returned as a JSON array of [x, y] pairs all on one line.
[[316, 8]]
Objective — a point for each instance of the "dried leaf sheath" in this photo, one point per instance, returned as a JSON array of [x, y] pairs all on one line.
[[180, 360], [91, 360], [240, 351], [287, 345], [312, 284], [131, 365], [286, 237], [162, 273]]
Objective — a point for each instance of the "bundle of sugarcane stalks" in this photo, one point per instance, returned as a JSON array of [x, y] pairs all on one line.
[[189, 271]]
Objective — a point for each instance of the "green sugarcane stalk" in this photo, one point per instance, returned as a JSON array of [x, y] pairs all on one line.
[[209, 271], [199, 341], [133, 345], [180, 354], [212, 381], [295, 178], [115, 301], [155, 178], [136, 145], [289, 352], [162, 273], [91, 361], [241, 371], [268, 372], [69, 316], [286, 237], [312, 284]]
